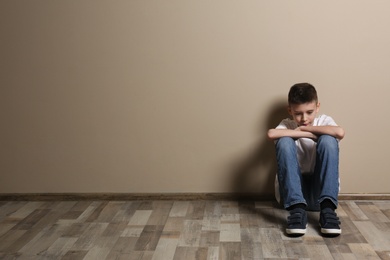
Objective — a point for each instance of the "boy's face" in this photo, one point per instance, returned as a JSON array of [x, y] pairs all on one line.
[[304, 114]]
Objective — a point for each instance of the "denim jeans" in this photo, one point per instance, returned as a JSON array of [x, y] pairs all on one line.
[[309, 189]]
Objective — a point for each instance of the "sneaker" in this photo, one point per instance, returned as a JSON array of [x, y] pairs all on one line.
[[297, 222], [329, 222]]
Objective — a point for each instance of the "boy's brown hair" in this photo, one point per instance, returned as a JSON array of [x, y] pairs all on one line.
[[302, 93]]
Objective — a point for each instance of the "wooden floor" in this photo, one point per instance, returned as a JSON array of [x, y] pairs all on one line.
[[183, 230]]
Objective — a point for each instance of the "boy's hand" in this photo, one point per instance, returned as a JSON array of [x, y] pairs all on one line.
[[308, 134]]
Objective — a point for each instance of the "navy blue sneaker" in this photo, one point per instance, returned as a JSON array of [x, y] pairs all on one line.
[[297, 222], [329, 222]]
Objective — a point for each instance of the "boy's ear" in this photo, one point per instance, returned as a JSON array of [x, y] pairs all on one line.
[[318, 106], [289, 110]]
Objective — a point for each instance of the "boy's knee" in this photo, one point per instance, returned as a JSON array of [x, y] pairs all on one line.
[[285, 141], [327, 141], [285, 145]]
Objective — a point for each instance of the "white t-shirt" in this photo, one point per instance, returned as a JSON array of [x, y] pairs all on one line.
[[306, 147]]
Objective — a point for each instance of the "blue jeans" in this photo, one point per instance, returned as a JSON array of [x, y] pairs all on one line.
[[309, 189]]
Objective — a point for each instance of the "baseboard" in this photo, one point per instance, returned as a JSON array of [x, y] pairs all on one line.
[[165, 196], [364, 196], [130, 196]]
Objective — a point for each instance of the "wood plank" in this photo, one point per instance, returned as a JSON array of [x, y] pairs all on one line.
[[174, 224], [373, 213], [209, 239], [101, 248], [11, 238], [213, 253], [149, 238], [87, 238], [378, 239], [350, 233], [254, 220], [74, 255], [9, 208], [160, 213], [109, 211], [296, 249], [190, 253], [230, 218], [354, 212], [383, 254], [230, 207], [75, 229], [196, 210], [5, 227], [140, 218], [59, 248], [211, 223], [132, 231], [246, 207], [272, 243], [81, 206], [338, 249], [96, 212], [165, 249], [88, 212], [251, 247], [318, 251], [42, 238], [212, 209], [123, 246], [230, 250], [114, 229], [179, 209], [26, 210], [126, 212], [363, 251], [230, 233], [29, 221], [190, 235]]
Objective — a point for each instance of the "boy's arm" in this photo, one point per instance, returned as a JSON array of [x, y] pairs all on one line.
[[307, 132], [335, 131], [274, 134]]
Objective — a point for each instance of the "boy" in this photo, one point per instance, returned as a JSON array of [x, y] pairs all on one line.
[[307, 152]]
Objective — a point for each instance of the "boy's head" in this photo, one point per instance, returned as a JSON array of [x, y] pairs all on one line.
[[303, 103]]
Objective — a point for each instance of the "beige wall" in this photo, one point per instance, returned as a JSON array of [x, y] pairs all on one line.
[[176, 96]]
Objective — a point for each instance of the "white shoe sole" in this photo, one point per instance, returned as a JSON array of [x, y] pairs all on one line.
[[327, 231], [296, 231]]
